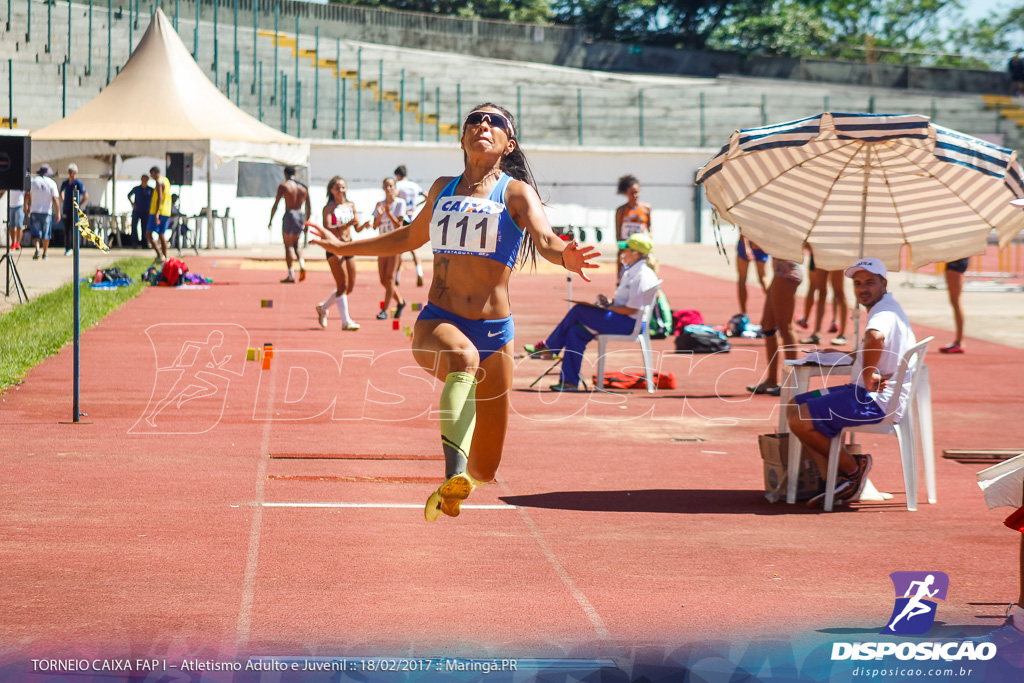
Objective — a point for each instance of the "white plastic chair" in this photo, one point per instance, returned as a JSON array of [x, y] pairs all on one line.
[[225, 219], [185, 237], [905, 431], [639, 335]]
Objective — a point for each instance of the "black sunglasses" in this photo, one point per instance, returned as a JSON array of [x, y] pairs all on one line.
[[475, 118]]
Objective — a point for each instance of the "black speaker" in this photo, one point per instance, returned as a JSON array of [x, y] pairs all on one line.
[[15, 157], [179, 168]]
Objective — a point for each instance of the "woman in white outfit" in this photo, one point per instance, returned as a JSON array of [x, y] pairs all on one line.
[[389, 215], [340, 217]]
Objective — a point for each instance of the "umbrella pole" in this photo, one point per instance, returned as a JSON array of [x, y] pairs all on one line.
[[113, 187], [209, 197], [860, 250], [76, 412]]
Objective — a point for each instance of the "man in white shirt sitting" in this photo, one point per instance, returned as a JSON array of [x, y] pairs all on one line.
[[817, 416], [615, 316]]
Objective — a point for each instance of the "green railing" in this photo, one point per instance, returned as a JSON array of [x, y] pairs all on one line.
[[567, 114]]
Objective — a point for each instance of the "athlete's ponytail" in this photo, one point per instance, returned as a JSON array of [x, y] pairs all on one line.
[[515, 165]]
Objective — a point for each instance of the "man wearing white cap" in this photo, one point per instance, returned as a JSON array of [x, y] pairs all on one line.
[[817, 416]]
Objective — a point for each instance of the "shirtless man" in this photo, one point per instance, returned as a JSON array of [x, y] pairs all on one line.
[[293, 223]]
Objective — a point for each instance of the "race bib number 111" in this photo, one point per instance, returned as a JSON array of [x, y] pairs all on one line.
[[465, 225]]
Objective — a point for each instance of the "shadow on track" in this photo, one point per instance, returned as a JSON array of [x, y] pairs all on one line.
[[679, 501]]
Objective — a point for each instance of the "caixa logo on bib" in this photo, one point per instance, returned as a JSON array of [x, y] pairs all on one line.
[[916, 595]]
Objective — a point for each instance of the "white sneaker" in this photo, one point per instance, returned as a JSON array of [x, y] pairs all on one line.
[[321, 315], [350, 326]]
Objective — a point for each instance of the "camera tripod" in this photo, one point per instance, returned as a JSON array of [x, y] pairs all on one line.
[[11, 267]]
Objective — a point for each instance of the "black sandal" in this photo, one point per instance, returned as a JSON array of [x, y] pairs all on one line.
[[764, 388], [841, 494], [860, 476]]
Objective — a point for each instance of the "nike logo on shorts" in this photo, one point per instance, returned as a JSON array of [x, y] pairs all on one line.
[[494, 334]]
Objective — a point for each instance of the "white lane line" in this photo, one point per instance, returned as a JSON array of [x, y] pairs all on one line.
[[560, 570], [244, 625], [404, 506]]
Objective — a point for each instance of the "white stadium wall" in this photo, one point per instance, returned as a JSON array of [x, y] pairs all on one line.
[[577, 185]]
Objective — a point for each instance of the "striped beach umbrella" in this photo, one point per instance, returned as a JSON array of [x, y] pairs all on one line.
[[853, 185]]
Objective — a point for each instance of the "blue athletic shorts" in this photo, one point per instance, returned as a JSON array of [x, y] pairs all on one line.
[[759, 255], [157, 224], [16, 217], [486, 335], [834, 408], [40, 226]]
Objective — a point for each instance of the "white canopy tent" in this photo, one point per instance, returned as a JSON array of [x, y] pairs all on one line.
[[161, 102]]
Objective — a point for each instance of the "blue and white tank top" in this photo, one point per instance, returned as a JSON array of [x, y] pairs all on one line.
[[475, 226]]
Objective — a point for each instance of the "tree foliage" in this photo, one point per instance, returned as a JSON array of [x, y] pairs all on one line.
[[995, 35], [669, 23], [888, 30], [872, 30], [786, 28], [902, 31], [522, 11]]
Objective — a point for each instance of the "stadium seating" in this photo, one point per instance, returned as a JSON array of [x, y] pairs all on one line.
[[393, 93]]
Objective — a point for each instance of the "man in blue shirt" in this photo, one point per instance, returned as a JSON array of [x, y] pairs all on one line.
[[71, 189], [140, 197]]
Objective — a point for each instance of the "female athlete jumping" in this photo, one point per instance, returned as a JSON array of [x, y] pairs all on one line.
[[476, 223]]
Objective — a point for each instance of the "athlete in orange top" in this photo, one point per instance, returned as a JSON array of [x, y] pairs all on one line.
[[632, 217]]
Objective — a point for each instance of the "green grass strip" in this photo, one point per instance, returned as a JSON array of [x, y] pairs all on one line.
[[35, 331]]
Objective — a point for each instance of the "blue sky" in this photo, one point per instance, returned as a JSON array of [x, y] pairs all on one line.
[[976, 9]]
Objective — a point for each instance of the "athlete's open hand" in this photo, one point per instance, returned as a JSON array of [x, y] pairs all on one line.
[[576, 258], [324, 238]]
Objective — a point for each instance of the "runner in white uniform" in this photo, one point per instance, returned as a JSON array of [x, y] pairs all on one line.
[[340, 217], [411, 192], [389, 215]]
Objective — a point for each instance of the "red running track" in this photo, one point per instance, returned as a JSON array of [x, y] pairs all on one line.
[[623, 523]]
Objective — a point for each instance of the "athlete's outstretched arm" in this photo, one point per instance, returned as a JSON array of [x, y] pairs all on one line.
[[527, 211], [397, 241]]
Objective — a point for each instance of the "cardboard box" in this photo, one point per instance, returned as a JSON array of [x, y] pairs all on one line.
[[775, 454]]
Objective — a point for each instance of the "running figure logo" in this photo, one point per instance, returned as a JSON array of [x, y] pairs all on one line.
[[916, 593], [190, 388]]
